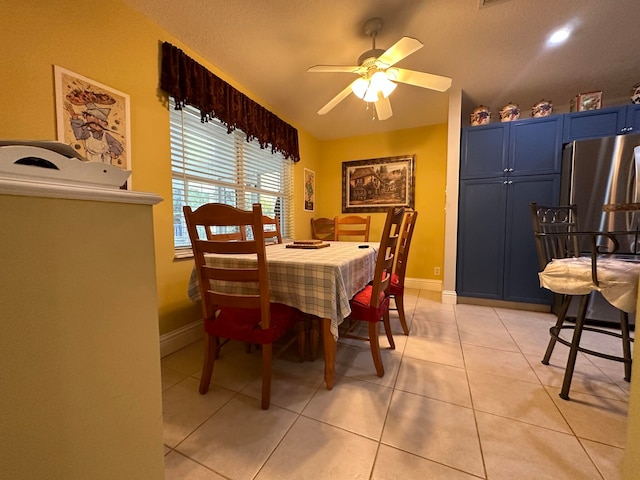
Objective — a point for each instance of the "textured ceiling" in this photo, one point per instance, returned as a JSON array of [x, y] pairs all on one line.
[[495, 53]]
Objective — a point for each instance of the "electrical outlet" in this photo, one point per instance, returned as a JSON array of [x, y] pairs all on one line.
[[436, 271]]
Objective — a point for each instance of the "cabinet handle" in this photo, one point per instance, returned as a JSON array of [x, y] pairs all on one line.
[[511, 169], [505, 170], [507, 182]]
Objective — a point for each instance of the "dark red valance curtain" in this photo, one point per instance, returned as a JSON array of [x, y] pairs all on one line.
[[189, 83]]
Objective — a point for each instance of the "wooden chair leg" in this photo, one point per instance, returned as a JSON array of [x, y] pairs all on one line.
[[375, 348], [302, 339], [314, 334], [210, 355], [387, 330], [626, 344], [218, 347], [399, 299], [573, 350], [267, 350]]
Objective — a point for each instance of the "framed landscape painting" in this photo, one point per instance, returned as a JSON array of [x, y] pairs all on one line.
[[376, 184]]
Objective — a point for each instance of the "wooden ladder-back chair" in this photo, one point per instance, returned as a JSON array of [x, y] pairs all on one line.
[[323, 228], [570, 274], [352, 226], [371, 304], [271, 228], [235, 298], [400, 265]]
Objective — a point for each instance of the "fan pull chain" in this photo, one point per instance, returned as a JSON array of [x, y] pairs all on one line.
[[373, 111]]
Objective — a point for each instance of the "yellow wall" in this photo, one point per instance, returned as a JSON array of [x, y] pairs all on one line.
[[429, 144], [116, 46]]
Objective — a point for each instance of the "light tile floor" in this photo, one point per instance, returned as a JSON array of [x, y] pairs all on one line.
[[464, 396]]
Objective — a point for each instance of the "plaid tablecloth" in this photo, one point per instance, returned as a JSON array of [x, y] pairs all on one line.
[[319, 282]]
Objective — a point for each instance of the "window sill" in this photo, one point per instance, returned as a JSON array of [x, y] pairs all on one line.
[[182, 253]]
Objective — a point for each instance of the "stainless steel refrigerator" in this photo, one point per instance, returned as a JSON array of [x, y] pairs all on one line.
[[595, 173]]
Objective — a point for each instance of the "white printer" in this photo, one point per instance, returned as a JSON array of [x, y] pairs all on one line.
[[56, 162]]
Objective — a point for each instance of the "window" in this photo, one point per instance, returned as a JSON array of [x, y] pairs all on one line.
[[209, 165]]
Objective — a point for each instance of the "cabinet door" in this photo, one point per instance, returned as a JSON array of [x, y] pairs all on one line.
[[481, 228], [633, 119], [484, 150], [594, 123], [521, 283], [535, 146]]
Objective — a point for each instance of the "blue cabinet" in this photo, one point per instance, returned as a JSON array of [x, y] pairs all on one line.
[[504, 167], [483, 151], [601, 123], [481, 228], [633, 119], [534, 146], [522, 147], [496, 252], [521, 282]]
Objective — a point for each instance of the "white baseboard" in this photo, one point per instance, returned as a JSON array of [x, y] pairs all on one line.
[[180, 338], [449, 297], [423, 284]]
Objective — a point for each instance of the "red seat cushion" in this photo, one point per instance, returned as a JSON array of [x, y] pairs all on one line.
[[361, 308], [396, 287], [243, 323]]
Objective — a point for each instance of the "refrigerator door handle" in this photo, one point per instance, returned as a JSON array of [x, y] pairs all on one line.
[[633, 218], [636, 172]]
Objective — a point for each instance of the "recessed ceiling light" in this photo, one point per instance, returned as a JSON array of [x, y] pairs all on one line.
[[559, 36]]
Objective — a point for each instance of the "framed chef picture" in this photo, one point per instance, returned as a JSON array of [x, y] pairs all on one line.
[[93, 119]]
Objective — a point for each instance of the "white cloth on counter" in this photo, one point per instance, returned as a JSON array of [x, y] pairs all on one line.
[[618, 279]]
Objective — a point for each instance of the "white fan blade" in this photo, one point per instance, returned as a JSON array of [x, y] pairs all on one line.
[[336, 100], [333, 68], [399, 50], [419, 79], [383, 108]]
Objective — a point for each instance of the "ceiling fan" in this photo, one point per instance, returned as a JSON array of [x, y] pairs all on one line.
[[377, 74]]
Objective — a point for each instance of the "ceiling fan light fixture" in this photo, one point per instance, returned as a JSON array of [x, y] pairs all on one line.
[[371, 95], [385, 86], [371, 89], [359, 87]]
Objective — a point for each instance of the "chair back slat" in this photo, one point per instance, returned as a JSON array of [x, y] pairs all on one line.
[[235, 301], [230, 274], [352, 226], [225, 246]]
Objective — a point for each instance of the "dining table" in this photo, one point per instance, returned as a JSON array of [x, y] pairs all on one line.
[[317, 281]]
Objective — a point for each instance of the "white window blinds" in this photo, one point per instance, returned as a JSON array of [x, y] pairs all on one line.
[[209, 165]]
